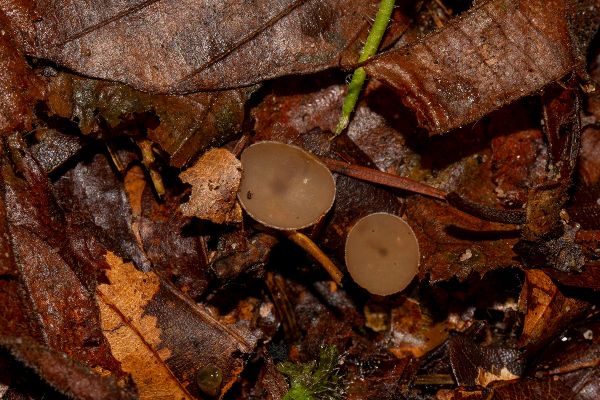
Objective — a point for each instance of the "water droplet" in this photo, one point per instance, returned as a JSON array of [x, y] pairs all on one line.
[[209, 380]]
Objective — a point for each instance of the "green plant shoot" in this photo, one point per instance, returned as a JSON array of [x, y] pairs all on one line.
[[380, 24], [315, 380]]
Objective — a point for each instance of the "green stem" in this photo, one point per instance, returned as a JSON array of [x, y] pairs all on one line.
[[359, 76]]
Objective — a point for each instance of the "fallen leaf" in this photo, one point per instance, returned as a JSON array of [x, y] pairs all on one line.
[[55, 298], [182, 126], [547, 310], [52, 148], [138, 350], [90, 193], [412, 332], [215, 179], [533, 389], [577, 348], [20, 87], [474, 364], [159, 229], [455, 244], [192, 46], [65, 374], [161, 337], [490, 56]]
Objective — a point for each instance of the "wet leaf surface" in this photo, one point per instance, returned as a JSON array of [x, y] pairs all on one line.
[[189, 48], [65, 374], [20, 87], [180, 125], [486, 59]]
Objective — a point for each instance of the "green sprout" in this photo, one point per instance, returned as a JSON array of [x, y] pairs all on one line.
[[359, 76], [315, 380]]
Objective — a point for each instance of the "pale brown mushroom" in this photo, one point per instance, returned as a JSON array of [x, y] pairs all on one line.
[[382, 253], [287, 188], [283, 186]]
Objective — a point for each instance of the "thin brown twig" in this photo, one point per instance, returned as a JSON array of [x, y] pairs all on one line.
[[241, 145], [383, 178]]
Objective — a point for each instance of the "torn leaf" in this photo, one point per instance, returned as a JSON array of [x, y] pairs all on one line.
[[215, 179]]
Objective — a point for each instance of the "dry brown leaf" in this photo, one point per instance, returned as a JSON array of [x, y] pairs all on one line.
[[172, 46], [547, 310], [496, 53], [136, 349], [20, 87], [162, 338], [215, 179], [485, 377], [76, 380]]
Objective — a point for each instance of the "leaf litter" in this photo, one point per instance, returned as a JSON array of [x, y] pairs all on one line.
[[128, 271]]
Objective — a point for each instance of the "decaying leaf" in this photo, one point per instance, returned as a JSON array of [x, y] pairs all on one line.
[[181, 258], [20, 87], [181, 125], [138, 350], [91, 193], [215, 179], [575, 349], [474, 364], [499, 51], [193, 46], [161, 337], [548, 311], [413, 333], [65, 374], [55, 298], [455, 244], [555, 389]]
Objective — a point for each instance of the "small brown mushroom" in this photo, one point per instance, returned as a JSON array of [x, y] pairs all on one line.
[[382, 253], [283, 186], [286, 188]]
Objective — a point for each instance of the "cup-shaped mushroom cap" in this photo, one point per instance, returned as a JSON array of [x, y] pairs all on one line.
[[382, 253], [283, 186]]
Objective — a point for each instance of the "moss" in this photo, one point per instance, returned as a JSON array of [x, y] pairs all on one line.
[[315, 380]]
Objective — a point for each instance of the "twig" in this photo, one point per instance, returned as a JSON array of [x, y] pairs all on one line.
[[383, 178]]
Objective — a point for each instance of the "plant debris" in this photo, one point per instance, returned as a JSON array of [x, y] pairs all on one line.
[[129, 269]]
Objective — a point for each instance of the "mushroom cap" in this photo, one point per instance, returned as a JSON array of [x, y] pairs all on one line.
[[382, 253], [283, 186]]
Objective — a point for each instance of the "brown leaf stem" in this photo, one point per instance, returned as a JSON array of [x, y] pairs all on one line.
[[383, 178]]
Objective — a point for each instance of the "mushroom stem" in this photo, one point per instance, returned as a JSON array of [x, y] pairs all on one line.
[[311, 248]]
